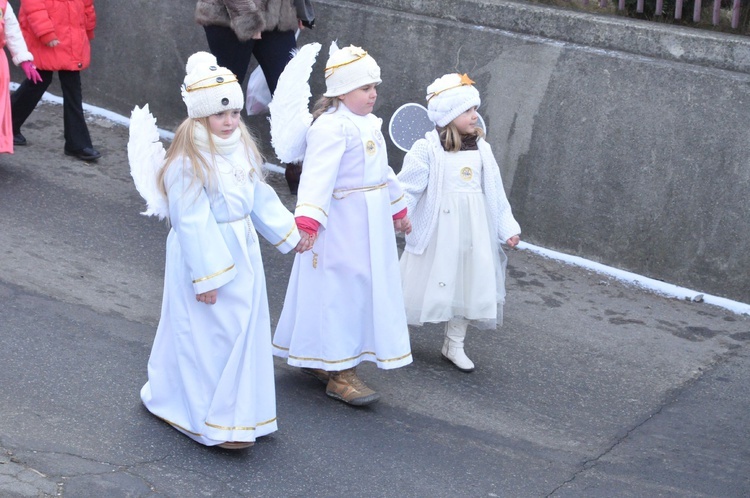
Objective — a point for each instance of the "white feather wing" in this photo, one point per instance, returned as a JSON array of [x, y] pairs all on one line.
[[290, 114], [146, 157]]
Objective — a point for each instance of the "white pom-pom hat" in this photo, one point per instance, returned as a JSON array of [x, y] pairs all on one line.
[[450, 96], [209, 88], [349, 68]]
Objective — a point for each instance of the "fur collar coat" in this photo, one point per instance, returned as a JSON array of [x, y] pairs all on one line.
[[247, 17]]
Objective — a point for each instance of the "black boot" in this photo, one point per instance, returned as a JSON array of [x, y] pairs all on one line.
[[292, 173]]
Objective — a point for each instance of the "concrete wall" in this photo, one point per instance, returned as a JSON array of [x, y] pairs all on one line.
[[620, 141]]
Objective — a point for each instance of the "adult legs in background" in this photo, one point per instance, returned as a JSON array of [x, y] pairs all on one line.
[[229, 51], [25, 98], [77, 136], [273, 51]]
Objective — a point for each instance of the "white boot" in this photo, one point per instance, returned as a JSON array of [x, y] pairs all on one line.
[[453, 346]]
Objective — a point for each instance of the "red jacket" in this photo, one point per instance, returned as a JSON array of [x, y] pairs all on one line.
[[72, 22]]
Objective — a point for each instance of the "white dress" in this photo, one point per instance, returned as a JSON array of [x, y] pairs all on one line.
[[461, 273], [344, 304], [210, 373]]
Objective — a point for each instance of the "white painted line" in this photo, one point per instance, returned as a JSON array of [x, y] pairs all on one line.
[[639, 280]]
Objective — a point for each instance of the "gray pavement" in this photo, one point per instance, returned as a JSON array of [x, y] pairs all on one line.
[[591, 388]]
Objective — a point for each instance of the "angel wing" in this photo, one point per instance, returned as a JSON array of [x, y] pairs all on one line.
[[146, 157], [290, 114], [410, 123]]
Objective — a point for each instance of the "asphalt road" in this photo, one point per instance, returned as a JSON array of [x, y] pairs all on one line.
[[591, 388]]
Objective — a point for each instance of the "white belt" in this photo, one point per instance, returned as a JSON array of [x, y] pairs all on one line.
[[341, 193]]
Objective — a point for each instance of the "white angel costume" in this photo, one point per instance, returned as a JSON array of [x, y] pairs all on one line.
[[344, 302], [452, 265], [210, 373]]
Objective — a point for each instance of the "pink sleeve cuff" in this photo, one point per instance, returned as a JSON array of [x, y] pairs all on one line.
[[400, 214], [307, 225]]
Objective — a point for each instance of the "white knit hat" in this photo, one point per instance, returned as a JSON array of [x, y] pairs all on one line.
[[209, 88], [348, 69], [449, 96]]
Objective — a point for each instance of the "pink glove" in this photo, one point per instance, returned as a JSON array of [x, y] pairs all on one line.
[[31, 73]]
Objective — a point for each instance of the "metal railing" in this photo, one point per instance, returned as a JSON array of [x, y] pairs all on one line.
[[734, 12]]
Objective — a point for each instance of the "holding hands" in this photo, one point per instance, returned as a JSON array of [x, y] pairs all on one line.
[[402, 225], [306, 242], [513, 241]]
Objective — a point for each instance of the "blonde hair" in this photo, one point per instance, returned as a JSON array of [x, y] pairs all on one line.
[[323, 104], [183, 146], [451, 138]]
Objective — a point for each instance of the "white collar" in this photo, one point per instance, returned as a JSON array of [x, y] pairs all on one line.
[[224, 146]]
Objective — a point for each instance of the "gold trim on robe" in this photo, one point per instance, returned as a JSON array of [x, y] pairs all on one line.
[[213, 275], [291, 231], [312, 206]]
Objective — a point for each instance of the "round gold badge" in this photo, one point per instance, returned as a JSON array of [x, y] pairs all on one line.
[[370, 148], [466, 173]]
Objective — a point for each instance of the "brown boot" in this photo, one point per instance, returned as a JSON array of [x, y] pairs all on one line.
[[292, 173], [347, 387], [318, 373]]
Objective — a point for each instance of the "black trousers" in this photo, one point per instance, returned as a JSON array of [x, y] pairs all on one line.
[[272, 52], [27, 96]]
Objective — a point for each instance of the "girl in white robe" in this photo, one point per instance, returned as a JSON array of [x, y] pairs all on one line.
[[344, 303], [210, 373], [453, 267]]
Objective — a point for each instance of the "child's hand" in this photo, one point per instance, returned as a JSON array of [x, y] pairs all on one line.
[[513, 241], [306, 242], [402, 225], [30, 71], [207, 297], [53, 43]]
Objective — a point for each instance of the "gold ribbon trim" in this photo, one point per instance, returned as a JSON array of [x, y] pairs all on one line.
[[203, 279], [341, 193]]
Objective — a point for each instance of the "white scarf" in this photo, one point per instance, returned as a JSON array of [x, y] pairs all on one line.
[[224, 146]]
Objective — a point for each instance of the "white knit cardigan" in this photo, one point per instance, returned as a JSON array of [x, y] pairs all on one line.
[[421, 177]]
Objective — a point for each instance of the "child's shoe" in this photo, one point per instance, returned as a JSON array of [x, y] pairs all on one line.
[[235, 445], [347, 387], [318, 373], [453, 345]]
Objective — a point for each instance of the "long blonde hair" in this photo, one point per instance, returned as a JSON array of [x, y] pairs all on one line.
[[323, 104], [451, 138], [183, 146]]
